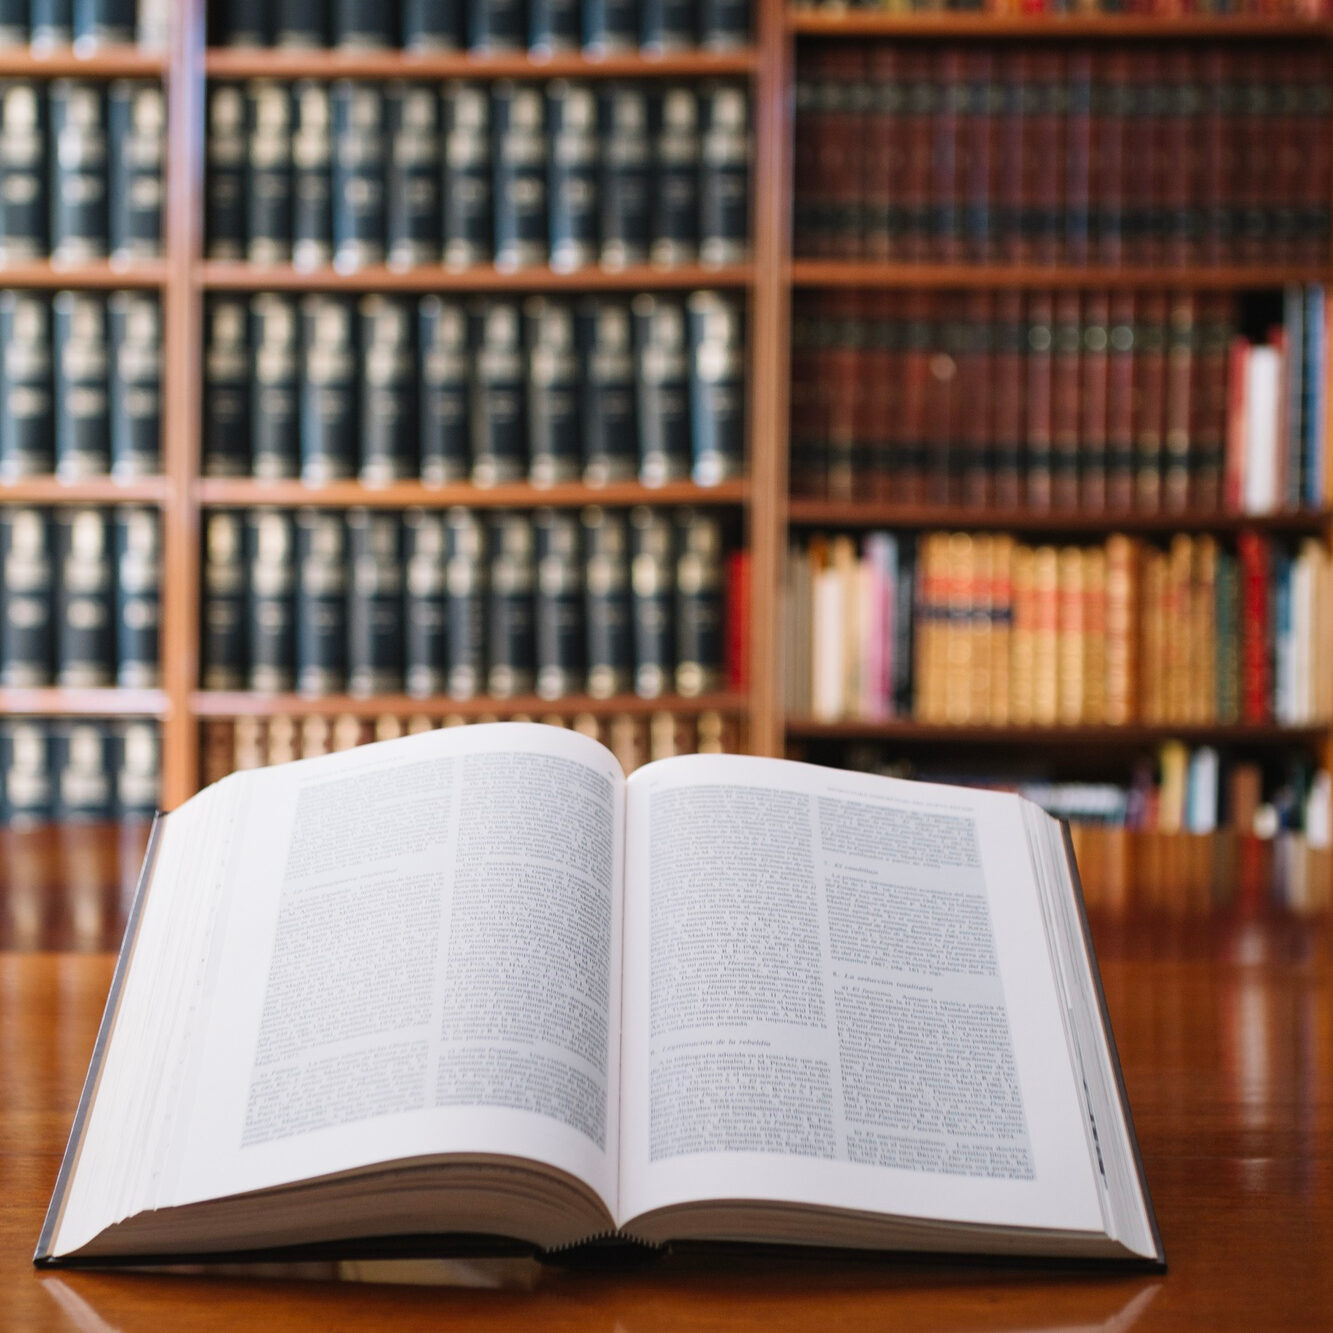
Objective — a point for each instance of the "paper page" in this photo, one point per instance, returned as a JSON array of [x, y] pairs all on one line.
[[420, 954], [838, 992]]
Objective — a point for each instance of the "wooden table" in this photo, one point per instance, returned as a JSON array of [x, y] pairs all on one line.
[[1225, 1024]]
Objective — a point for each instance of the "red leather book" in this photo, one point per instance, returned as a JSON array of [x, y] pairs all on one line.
[[1044, 156], [1120, 404], [1208, 402], [842, 152], [1233, 474], [921, 89], [1080, 86], [1149, 400], [1065, 391], [1181, 342], [842, 368], [1144, 159], [1314, 180], [1109, 132], [1216, 153], [1010, 342], [977, 169], [976, 365], [738, 621], [1040, 322], [946, 130], [1013, 167], [882, 388], [1180, 158], [884, 153], [1093, 400], [942, 460], [805, 452], [1254, 165], [1256, 646], [919, 343]]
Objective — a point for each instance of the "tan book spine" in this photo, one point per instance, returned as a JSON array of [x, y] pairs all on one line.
[[1045, 637], [982, 635], [1022, 636], [1069, 636], [1094, 635], [958, 668], [217, 750], [1201, 699], [1121, 619], [1149, 617], [927, 676], [848, 572], [1001, 636]]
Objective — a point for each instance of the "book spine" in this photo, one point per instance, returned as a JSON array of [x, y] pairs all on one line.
[[443, 391], [27, 595], [312, 175], [274, 388], [1040, 340], [328, 399], [271, 558], [625, 189], [1093, 401], [466, 193], [364, 25], [27, 772], [388, 389], [555, 427], [103, 23], [360, 154], [724, 175], [977, 134], [610, 26], [268, 189], [512, 629], [1010, 332], [610, 449], [413, 212], [82, 427], [136, 112], [23, 169], [520, 176], [1066, 383], [425, 639], [26, 407], [243, 23], [1149, 400], [882, 358], [496, 408], [136, 384], [85, 628], [1120, 423], [668, 25], [466, 564], [699, 610], [676, 208], [1078, 158], [138, 546], [78, 163], [942, 457], [717, 386], [137, 757], [574, 173], [301, 25], [652, 580], [224, 648], [662, 389], [84, 777], [560, 633], [610, 638], [375, 603], [946, 217], [495, 25], [432, 25], [321, 602], [227, 219], [554, 26], [724, 25], [52, 22], [1180, 416], [1110, 133], [226, 423]]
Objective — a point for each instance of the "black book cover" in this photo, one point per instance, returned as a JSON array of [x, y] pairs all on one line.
[[574, 174], [560, 636], [360, 148], [717, 386], [13, 23], [103, 23], [26, 772], [555, 427], [23, 168], [82, 423], [496, 25], [227, 214], [724, 25], [78, 164], [662, 389], [136, 110], [626, 182], [27, 423], [268, 191], [465, 602], [375, 603], [364, 25], [271, 560], [137, 753], [243, 23], [274, 391], [27, 597], [388, 389], [555, 26], [425, 631], [85, 790], [432, 25], [496, 409], [724, 175], [700, 630], [610, 26], [52, 22], [443, 391], [519, 129], [413, 215], [610, 448], [675, 220], [321, 602], [610, 641], [224, 644], [302, 24], [85, 632], [312, 175], [466, 122], [668, 25], [136, 384], [138, 538], [652, 600], [329, 368], [226, 424], [511, 632]]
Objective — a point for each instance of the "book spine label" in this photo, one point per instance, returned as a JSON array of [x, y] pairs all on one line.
[[82, 428], [136, 384], [465, 602], [27, 585], [652, 587], [226, 424], [26, 772], [328, 413], [573, 169], [626, 183], [359, 158], [512, 629], [519, 112], [555, 26], [668, 25], [223, 651], [85, 643], [675, 220], [364, 25], [559, 604], [84, 776], [610, 452], [413, 218], [388, 389], [274, 390], [496, 25], [321, 602], [138, 538], [272, 603], [432, 25], [496, 407], [717, 386], [137, 754], [443, 391], [467, 174], [724, 25], [26, 420], [301, 24], [724, 176], [268, 194], [700, 621], [137, 116], [79, 171], [610, 641], [662, 387], [425, 637], [52, 22], [555, 427], [312, 175], [227, 219], [23, 195]]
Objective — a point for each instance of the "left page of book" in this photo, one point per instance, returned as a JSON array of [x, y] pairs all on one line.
[[415, 951]]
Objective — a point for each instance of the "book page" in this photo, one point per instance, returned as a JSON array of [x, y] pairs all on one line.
[[419, 954], [839, 992]]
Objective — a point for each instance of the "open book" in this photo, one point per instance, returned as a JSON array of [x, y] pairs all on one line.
[[476, 983]]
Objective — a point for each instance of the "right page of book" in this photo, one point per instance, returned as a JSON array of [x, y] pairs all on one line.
[[838, 992]]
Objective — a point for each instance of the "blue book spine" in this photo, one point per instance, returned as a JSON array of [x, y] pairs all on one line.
[[555, 426], [13, 23], [52, 22], [136, 384], [226, 424], [445, 366], [1314, 447], [432, 25], [717, 387], [425, 630], [103, 23], [724, 176], [27, 426], [27, 597], [274, 389], [321, 602], [662, 389], [82, 422], [268, 191], [610, 26], [519, 112], [224, 641], [388, 389], [675, 219], [329, 367], [668, 25], [466, 192], [85, 626], [137, 112], [413, 221], [360, 152], [574, 169], [224, 175], [78, 163], [496, 25], [465, 602], [23, 201], [312, 175], [555, 25], [138, 536]]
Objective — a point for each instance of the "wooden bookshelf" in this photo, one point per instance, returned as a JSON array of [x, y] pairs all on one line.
[[56, 701], [101, 274], [91, 490], [59, 62], [241, 703], [808, 22], [851, 273]]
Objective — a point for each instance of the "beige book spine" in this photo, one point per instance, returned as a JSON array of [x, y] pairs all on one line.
[[1069, 636], [1121, 657], [1001, 636], [958, 668], [1045, 636], [1094, 635], [1022, 637], [1202, 693]]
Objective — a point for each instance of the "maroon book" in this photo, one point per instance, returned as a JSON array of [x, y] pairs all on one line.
[[920, 85], [1182, 337], [1120, 403], [1208, 402], [1079, 104], [1149, 400], [885, 154], [1040, 348], [1065, 391], [977, 171], [1010, 341], [1093, 376], [1109, 132], [1044, 156], [976, 365]]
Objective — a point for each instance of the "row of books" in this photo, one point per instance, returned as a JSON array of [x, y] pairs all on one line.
[[1037, 9], [1041, 154], [569, 174], [231, 745], [80, 596], [457, 604], [485, 26], [78, 771], [87, 25], [80, 384], [81, 169], [1093, 401], [953, 628], [491, 390]]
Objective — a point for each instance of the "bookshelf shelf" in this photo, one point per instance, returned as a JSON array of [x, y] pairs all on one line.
[[222, 63], [102, 274], [805, 728], [55, 701], [93, 490], [851, 273], [226, 275], [1046, 27], [219, 704], [110, 62]]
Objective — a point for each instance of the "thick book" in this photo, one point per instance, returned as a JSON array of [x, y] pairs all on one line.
[[474, 986]]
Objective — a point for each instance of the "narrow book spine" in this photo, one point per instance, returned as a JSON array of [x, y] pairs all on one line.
[[465, 602], [675, 220], [84, 777], [82, 426], [466, 192], [610, 642], [511, 630], [224, 649], [359, 158], [301, 25], [375, 603], [610, 26], [388, 389], [364, 25], [554, 26], [662, 389], [274, 389], [27, 422], [559, 604], [226, 424], [626, 186], [312, 175], [27, 772], [668, 25], [413, 212], [138, 538], [573, 170], [271, 557], [328, 411], [268, 189], [652, 585], [79, 171], [717, 387], [496, 409], [23, 169], [52, 22], [432, 25], [443, 391], [103, 23], [227, 219], [495, 25], [27, 596], [699, 603], [519, 129], [137, 755], [321, 602], [555, 423], [137, 121], [425, 629], [136, 384], [608, 391], [724, 177], [85, 633]]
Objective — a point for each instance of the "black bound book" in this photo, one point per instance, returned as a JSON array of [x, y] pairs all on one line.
[[84, 770], [555, 425], [675, 220], [271, 559], [466, 569], [413, 215], [136, 384], [610, 26], [329, 373], [226, 424], [27, 422], [85, 627], [724, 175], [555, 26], [25, 771], [78, 165], [700, 629], [312, 175], [27, 596], [23, 169], [364, 25], [425, 629], [321, 602], [224, 641], [103, 23], [444, 363], [244, 23], [519, 129], [432, 25], [496, 415], [652, 601], [560, 637], [668, 25], [225, 152], [274, 387], [625, 195], [375, 602], [82, 421], [610, 442], [662, 388], [388, 389], [52, 22], [268, 191], [137, 748], [302, 24], [717, 386], [496, 25], [610, 633], [574, 171], [13, 23], [724, 25], [511, 660], [360, 151], [466, 195], [136, 110], [138, 538]]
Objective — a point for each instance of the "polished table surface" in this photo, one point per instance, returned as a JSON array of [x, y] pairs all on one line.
[[1222, 1007]]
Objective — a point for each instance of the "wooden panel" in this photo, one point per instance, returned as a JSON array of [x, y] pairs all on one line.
[[218, 703], [111, 62]]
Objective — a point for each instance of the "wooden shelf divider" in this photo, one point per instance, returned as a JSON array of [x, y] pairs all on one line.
[[240, 703]]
